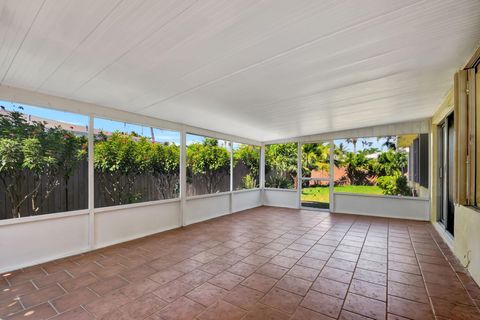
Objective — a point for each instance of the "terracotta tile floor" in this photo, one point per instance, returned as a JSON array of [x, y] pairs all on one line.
[[264, 263]]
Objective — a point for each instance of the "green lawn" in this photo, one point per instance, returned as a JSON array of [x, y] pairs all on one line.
[[359, 189], [321, 194]]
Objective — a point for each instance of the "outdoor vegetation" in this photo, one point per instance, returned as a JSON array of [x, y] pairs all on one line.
[[131, 168], [246, 166], [281, 165], [208, 165], [44, 165], [376, 165], [381, 163], [34, 162]]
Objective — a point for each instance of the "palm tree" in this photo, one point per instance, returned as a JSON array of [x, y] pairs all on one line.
[[323, 156], [366, 144], [357, 167], [309, 158], [339, 151], [354, 142], [390, 142]]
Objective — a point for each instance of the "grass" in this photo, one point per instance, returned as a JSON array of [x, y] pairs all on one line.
[[359, 189], [321, 194]]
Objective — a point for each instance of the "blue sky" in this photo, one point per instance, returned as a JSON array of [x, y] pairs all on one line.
[[193, 138], [144, 131], [375, 143], [68, 117], [99, 123]]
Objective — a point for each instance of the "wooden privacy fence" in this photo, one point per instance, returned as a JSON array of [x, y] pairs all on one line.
[[74, 195]]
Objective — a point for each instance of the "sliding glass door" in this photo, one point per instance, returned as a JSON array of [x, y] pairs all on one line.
[[446, 138]]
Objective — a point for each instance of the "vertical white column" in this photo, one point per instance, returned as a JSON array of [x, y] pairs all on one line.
[[262, 173], [299, 174], [231, 177], [91, 184], [183, 176], [331, 176]]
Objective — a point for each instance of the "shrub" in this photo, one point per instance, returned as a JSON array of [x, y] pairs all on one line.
[[394, 185], [278, 182], [249, 182], [120, 159], [49, 155], [281, 160], [164, 166], [209, 161], [249, 156]]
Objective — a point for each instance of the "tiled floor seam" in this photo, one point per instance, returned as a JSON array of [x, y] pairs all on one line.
[[356, 264], [422, 273]]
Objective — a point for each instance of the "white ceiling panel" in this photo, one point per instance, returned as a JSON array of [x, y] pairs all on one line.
[[263, 70], [16, 19], [50, 42]]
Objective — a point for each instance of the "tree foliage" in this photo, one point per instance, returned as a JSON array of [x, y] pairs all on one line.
[[208, 162], [49, 154], [280, 165], [315, 156], [249, 156], [119, 159], [390, 162], [358, 168], [164, 165], [370, 166]]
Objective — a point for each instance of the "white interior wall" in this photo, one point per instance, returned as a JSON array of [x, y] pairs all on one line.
[[246, 199], [201, 208], [117, 224], [287, 198], [32, 241], [382, 206]]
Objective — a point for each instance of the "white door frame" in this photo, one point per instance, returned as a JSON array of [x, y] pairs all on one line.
[[330, 179]]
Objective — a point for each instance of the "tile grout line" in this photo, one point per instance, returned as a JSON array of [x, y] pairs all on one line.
[[422, 274], [453, 269], [356, 264]]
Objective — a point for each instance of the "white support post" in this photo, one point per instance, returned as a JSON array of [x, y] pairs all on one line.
[[183, 176], [91, 184], [262, 173], [231, 177], [331, 176], [299, 174]]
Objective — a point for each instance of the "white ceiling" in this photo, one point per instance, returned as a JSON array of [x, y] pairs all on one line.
[[257, 69]]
